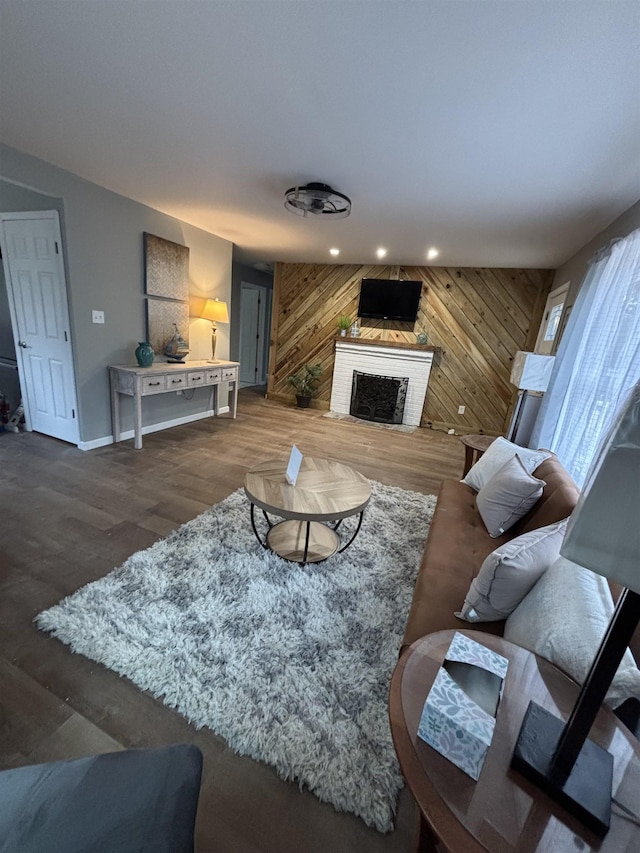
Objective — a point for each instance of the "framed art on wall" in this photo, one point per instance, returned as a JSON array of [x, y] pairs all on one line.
[[166, 284], [166, 268]]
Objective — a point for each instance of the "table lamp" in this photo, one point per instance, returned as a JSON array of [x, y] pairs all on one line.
[[531, 371], [603, 535], [217, 312]]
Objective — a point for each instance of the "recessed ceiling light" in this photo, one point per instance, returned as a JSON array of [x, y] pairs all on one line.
[[381, 252], [334, 251], [432, 253]]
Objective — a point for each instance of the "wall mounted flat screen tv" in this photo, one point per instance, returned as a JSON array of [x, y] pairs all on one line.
[[388, 299]]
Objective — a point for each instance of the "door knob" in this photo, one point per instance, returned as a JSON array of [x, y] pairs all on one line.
[[23, 345]]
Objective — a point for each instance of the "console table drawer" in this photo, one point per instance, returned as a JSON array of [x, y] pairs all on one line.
[[154, 384], [175, 381], [229, 374], [195, 378], [214, 376]]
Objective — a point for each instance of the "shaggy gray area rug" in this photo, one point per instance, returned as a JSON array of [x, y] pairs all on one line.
[[290, 664]]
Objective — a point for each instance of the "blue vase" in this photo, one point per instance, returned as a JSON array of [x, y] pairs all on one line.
[[144, 354]]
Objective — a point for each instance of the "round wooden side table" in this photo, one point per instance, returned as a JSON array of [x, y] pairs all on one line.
[[474, 447], [502, 812]]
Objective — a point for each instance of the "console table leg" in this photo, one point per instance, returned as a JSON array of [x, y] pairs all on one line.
[[137, 400], [234, 404], [115, 408]]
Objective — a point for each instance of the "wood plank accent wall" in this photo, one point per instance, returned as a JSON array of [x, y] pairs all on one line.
[[478, 317]]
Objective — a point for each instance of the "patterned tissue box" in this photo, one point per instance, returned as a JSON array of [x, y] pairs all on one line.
[[459, 713]]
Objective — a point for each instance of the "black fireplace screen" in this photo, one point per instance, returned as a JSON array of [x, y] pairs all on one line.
[[378, 398]]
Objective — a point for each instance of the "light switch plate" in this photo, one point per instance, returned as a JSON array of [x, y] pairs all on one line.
[[97, 316]]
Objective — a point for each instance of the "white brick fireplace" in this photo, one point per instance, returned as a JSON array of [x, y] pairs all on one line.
[[382, 360]]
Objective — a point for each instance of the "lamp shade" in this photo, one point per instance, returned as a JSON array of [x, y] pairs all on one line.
[[603, 533], [215, 310], [530, 371]]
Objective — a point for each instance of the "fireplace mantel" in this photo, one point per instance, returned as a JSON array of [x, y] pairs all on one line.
[[384, 358], [377, 342]]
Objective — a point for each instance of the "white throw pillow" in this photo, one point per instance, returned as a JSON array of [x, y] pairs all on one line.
[[563, 619], [499, 452], [510, 572], [508, 495]]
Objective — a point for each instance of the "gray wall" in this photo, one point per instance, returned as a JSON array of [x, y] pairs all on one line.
[[250, 275], [575, 268], [7, 345], [9, 382], [102, 235]]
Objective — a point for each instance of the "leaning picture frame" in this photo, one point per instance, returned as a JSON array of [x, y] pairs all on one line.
[[164, 318]]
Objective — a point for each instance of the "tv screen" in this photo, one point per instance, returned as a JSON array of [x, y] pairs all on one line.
[[388, 299]]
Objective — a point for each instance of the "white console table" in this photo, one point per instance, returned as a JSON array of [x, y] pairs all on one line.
[[139, 382]]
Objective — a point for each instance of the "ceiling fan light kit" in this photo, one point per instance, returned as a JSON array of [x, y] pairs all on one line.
[[317, 200]]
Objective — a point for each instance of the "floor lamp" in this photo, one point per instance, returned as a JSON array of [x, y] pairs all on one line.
[[603, 535], [217, 312], [529, 372]]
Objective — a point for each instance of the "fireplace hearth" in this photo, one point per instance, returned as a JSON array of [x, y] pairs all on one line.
[[378, 398]]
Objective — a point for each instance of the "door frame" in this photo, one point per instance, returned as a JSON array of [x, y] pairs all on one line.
[[55, 217], [264, 322]]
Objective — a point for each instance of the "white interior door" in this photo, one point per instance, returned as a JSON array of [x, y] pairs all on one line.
[[550, 326], [251, 334], [32, 252]]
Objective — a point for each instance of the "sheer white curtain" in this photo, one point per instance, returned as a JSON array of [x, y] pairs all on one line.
[[598, 360]]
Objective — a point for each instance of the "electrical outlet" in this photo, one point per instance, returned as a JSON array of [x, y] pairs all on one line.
[[461, 410], [97, 317], [179, 391], [451, 432]]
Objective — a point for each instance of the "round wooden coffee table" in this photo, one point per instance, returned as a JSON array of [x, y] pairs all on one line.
[[325, 493], [502, 812]]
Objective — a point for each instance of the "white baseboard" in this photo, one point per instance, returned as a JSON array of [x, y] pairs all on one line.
[[129, 433]]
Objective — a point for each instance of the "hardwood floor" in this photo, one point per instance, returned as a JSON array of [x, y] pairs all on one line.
[[68, 517]]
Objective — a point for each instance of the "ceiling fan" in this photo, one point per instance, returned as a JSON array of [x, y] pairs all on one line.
[[317, 200]]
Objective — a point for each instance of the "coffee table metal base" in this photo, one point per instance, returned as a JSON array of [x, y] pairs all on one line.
[[303, 541]]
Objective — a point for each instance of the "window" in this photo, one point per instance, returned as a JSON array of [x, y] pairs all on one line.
[[598, 360], [553, 322]]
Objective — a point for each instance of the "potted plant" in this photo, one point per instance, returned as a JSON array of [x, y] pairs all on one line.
[[344, 323], [306, 382]]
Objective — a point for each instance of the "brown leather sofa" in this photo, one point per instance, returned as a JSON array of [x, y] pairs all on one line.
[[458, 543]]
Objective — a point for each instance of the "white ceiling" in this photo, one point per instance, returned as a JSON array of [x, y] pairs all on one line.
[[503, 132]]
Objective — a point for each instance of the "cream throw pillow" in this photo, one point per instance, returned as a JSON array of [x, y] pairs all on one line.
[[563, 619], [510, 572], [499, 452], [508, 495]]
